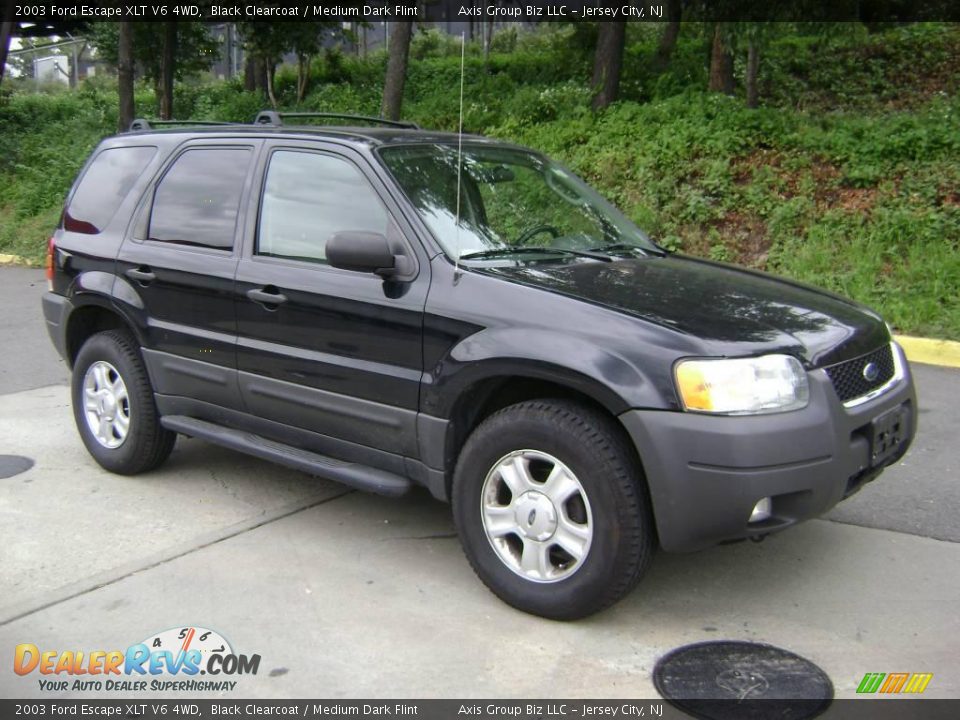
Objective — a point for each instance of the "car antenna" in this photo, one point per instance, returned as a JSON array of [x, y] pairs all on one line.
[[456, 262]]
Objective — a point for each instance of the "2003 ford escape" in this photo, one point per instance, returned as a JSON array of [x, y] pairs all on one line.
[[356, 303]]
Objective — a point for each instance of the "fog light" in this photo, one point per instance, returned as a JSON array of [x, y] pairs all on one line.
[[761, 511]]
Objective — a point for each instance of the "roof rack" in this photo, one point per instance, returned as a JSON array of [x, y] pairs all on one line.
[[144, 124], [272, 117]]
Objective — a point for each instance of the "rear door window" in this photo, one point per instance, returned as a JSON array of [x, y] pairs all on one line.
[[197, 200], [105, 184]]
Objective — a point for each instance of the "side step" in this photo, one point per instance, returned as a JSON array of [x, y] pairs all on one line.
[[358, 476]]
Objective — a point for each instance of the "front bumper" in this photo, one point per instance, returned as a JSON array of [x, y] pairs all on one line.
[[706, 473]]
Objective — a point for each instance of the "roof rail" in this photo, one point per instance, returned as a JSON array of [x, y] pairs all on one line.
[[144, 124], [272, 117]]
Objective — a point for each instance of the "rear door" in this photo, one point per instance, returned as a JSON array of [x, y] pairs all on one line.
[[334, 352], [178, 263]]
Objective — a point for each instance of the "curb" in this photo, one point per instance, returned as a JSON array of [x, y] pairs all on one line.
[[919, 350], [930, 351]]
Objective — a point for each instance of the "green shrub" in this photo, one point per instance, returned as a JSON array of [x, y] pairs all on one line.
[[846, 178]]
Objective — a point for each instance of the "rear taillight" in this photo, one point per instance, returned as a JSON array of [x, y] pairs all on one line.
[[51, 249]]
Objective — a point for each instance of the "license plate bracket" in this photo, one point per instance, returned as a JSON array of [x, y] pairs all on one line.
[[887, 434]]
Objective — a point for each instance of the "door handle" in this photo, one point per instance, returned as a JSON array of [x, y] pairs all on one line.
[[266, 297], [141, 274]]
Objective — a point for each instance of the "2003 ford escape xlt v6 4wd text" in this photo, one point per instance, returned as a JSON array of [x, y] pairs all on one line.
[[389, 307]]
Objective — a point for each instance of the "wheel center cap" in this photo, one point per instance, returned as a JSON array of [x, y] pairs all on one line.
[[535, 515], [108, 405]]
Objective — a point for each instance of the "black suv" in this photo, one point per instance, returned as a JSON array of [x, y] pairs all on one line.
[[389, 307]]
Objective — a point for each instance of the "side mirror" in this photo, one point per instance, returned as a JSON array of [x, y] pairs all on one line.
[[361, 251]]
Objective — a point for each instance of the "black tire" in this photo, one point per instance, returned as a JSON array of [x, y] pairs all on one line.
[[593, 448], [146, 444]]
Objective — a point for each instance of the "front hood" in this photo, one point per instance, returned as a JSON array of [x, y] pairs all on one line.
[[734, 311]]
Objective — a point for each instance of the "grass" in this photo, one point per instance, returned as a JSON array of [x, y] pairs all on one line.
[[848, 177]]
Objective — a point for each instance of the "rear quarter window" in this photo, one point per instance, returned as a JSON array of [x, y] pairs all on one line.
[[103, 187]]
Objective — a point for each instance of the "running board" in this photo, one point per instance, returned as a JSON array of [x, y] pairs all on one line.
[[357, 476]]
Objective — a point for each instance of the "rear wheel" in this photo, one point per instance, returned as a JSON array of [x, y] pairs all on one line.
[[113, 406], [551, 509]]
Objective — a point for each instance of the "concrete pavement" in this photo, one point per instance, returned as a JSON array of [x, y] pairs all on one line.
[[33, 363], [364, 596], [68, 526]]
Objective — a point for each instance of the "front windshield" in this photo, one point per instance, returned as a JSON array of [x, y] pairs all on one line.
[[509, 199]]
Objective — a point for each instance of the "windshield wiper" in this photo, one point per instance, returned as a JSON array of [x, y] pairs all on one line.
[[618, 247], [496, 252]]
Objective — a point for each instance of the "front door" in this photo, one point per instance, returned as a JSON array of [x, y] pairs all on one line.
[[334, 352]]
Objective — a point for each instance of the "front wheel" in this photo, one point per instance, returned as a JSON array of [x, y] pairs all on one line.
[[113, 406], [551, 509]]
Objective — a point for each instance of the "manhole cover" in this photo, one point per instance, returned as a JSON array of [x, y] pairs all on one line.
[[742, 681], [11, 465]]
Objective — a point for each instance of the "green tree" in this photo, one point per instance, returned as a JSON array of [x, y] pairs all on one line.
[[398, 54], [265, 43], [668, 41], [178, 50], [6, 32], [721, 60], [607, 61], [304, 41], [125, 74]]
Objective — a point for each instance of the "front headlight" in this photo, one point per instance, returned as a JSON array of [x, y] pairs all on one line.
[[742, 386]]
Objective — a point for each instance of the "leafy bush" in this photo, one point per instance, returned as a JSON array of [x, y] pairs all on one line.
[[433, 43], [847, 177]]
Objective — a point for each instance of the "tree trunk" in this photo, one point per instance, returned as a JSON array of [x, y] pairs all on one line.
[[168, 62], [303, 76], [753, 68], [125, 75], [399, 52], [255, 74], [258, 71], [157, 96], [487, 40], [74, 70], [721, 64], [262, 76], [6, 30], [249, 73], [606, 63], [668, 41], [270, 69]]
